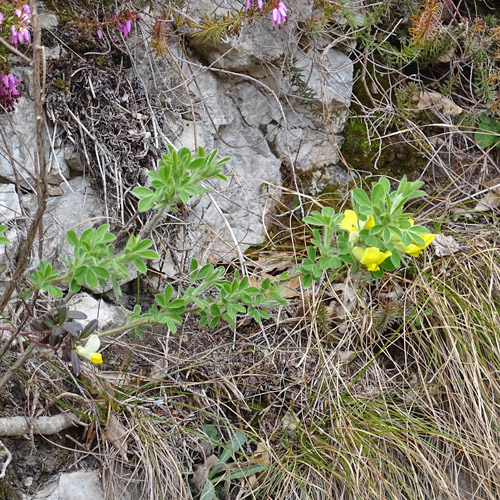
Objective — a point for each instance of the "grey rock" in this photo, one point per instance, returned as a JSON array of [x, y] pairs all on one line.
[[240, 204], [108, 315], [81, 485], [306, 144], [79, 208], [329, 76], [9, 203], [256, 106], [18, 164]]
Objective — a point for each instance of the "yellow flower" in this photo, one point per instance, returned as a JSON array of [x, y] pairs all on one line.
[[415, 250], [350, 222], [371, 257], [90, 350], [369, 223]]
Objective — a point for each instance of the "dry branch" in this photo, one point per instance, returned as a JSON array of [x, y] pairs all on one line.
[[18, 426]]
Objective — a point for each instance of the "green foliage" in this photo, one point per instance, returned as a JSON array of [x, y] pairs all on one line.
[[213, 298], [376, 233], [42, 278], [93, 262], [488, 134], [179, 177], [3, 239], [219, 478], [214, 28]]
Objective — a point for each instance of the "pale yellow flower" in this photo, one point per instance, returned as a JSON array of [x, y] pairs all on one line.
[[350, 222], [371, 257], [415, 250], [90, 350]]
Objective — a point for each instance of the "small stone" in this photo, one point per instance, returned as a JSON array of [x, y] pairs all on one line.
[[54, 191]]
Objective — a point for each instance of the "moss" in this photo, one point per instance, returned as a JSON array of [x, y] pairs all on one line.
[[7, 489], [395, 158], [61, 84]]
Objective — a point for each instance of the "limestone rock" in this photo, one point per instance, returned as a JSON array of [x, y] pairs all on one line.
[[81, 485], [240, 205], [108, 315], [9, 203], [20, 125]]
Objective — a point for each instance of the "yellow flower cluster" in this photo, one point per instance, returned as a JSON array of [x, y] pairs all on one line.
[[372, 257]]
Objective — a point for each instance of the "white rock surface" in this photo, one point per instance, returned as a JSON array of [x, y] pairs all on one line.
[[330, 76], [79, 208], [241, 203], [81, 485], [108, 315], [9, 203], [20, 127]]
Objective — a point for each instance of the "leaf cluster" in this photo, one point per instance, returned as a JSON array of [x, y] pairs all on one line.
[[488, 134], [219, 476], [380, 223], [213, 298], [179, 176]]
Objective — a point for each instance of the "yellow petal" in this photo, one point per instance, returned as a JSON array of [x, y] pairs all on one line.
[[369, 223], [350, 221], [89, 351], [415, 250], [428, 238], [96, 358], [371, 257]]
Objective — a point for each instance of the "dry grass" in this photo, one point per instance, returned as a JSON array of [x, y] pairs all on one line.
[[351, 408]]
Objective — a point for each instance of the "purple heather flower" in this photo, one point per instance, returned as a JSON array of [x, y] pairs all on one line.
[[20, 34], [124, 28], [259, 4], [279, 13], [127, 28], [1, 18], [99, 34], [8, 91]]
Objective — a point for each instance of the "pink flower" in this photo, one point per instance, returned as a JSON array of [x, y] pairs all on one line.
[[279, 13], [259, 4], [24, 15], [99, 34], [8, 91], [20, 32], [125, 27], [1, 18]]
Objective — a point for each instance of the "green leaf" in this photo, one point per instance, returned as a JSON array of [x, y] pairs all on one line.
[[238, 439], [142, 192], [145, 204], [193, 266], [488, 133], [3, 239], [101, 272], [360, 197], [378, 194], [53, 291], [91, 278], [248, 471], [208, 491], [140, 266], [72, 238]]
